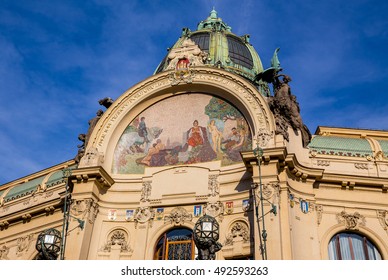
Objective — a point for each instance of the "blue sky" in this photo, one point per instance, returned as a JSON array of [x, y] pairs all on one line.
[[58, 58]]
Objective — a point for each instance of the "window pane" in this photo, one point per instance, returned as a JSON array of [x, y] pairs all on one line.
[[358, 247], [372, 252], [352, 246], [345, 247]]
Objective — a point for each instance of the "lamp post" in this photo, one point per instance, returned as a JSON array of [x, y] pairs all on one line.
[[206, 235], [66, 213], [258, 152], [48, 244]]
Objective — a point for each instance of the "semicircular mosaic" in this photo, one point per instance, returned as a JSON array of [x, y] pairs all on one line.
[[184, 129]]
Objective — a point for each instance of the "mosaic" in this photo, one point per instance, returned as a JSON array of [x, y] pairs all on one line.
[[184, 129]]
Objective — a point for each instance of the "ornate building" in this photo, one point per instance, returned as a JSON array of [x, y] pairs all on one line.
[[211, 132]]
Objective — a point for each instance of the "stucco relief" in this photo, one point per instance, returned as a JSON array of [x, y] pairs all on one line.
[[270, 191], [92, 157], [117, 238], [215, 209], [143, 215], [214, 188], [382, 215], [23, 244], [85, 209], [239, 231], [4, 250], [178, 216], [146, 191], [263, 137], [351, 221]]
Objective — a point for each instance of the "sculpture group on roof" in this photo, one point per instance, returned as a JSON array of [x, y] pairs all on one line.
[[283, 103], [84, 138]]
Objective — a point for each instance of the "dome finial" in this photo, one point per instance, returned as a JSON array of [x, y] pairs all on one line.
[[213, 13]]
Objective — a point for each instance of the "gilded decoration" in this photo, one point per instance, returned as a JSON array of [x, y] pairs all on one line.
[[178, 216], [239, 231], [118, 238], [183, 129], [351, 221]]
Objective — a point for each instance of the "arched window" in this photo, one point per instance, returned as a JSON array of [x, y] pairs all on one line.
[[176, 244], [352, 246]]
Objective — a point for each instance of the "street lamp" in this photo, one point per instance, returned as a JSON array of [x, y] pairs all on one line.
[[48, 244], [258, 152], [206, 235], [51, 241]]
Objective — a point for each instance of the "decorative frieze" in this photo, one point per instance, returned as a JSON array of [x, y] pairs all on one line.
[[23, 244], [321, 162], [361, 166]]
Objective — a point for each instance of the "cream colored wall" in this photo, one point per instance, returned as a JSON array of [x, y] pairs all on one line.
[[332, 185]]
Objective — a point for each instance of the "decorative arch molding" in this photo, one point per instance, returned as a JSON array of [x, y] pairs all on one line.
[[362, 230], [116, 244], [217, 82]]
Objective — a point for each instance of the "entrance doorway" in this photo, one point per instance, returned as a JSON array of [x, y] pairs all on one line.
[[175, 244]]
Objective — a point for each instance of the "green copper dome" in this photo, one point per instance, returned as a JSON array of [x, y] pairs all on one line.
[[223, 49]]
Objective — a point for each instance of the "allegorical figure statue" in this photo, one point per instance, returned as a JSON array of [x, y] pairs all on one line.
[[106, 102], [286, 109]]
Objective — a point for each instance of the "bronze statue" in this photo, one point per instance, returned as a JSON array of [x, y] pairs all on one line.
[[106, 102], [286, 109], [283, 104]]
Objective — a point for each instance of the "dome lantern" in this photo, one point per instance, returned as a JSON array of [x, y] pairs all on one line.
[[221, 48]]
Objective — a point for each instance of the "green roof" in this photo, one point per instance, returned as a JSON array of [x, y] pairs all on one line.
[[23, 189], [384, 146], [340, 146]]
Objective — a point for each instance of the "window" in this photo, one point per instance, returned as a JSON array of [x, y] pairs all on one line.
[[176, 244], [352, 246]]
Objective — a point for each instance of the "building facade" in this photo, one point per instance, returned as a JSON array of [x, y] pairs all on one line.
[[211, 132]]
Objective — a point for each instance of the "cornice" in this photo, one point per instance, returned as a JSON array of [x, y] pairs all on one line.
[[297, 170], [26, 215], [96, 174]]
